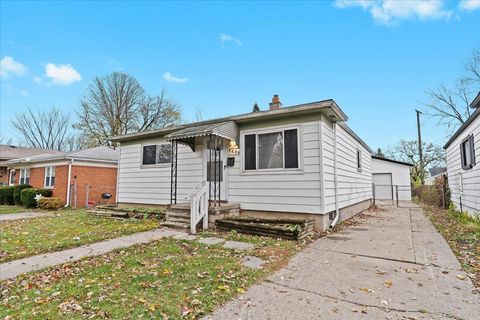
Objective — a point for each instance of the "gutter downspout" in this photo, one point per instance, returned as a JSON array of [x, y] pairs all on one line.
[[68, 183], [335, 176]]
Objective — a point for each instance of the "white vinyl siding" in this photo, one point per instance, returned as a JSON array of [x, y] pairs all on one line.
[[465, 183], [151, 184], [354, 186], [284, 190]]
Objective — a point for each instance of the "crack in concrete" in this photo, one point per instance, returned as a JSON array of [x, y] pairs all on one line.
[[380, 258], [385, 309]]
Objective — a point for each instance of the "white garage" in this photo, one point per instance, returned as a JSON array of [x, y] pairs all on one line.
[[391, 177]]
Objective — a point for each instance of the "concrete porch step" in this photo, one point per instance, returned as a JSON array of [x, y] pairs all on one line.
[[176, 225], [181, 219], [185, 213]]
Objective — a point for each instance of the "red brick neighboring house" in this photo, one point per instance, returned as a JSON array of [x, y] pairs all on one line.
[[10, 152], [79, 178]]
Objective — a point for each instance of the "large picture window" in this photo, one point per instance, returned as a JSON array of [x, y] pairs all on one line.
[[157, 154], [272, 150], [49, 177], [24, 176], [467, 153]]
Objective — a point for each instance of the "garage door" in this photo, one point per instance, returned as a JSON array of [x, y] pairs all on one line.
[[383, 186]]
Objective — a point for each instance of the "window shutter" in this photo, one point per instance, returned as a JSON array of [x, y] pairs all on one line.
[[472, 150], [291, 148], [250, 152]]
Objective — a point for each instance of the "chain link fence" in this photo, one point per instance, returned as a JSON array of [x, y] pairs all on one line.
[[437, 195], [99, 195], [390, 194]]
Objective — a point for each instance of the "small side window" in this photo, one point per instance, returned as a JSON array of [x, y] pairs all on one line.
[[467, 153], [359, 161], [157, 154]]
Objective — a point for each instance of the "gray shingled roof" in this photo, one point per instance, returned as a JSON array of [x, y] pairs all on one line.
[[101, 154], [8, 152]]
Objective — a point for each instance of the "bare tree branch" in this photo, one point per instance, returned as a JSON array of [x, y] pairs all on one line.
[[451, 104], [407, 151], [44, 130], [116, 105]]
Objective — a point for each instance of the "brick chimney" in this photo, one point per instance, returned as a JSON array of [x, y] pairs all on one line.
[[275, 104]]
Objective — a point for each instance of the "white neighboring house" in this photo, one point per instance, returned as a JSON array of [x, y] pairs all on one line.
[[391, 177], [434, 173], [463, 163], [298, 161]]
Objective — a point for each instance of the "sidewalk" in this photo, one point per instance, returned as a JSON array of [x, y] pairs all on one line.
[[395, 265], [23, 215]]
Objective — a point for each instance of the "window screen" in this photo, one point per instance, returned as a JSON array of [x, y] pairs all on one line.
[[164, 153], [270, 150], [149, 154], [291, 148], [250, 152]]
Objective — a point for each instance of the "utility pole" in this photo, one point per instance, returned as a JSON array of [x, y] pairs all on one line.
[[420, 147]]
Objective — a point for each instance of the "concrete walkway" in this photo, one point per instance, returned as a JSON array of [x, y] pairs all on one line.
[[23, 215], [394, 265]]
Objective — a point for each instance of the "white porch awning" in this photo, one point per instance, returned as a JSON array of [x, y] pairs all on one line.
[[227, 130]]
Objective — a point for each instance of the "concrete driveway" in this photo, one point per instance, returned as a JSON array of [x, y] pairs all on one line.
[[393, 264]]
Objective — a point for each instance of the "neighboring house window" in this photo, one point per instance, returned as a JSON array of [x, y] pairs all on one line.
[[272, 150], [13, 174], [157, 154], [49, 177], [467, 153], [24, 176], [359, 160]]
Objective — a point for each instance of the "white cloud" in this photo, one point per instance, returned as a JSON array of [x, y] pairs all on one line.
[[10, 67], [228, 38], [390, 12], [63, 74], [37, 79], [24, 93], [469, 5], [172, 78]]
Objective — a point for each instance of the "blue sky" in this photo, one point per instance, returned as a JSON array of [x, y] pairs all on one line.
[[375, 59]]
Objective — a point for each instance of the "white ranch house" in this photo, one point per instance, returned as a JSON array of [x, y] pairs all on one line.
[[463, 163], [299, 161]]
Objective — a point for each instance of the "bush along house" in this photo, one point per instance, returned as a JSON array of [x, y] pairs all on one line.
[[463, 163], [301, 161], [79, 178]]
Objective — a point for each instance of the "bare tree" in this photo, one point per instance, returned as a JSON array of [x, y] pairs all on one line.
[[44, 129], [116, 105], [451, 104], [3, 140], [407, 151]]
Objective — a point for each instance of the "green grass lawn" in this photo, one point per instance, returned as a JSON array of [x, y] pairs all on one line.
[[66, 229], [13, 209], [462, 233], [166, 279]]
